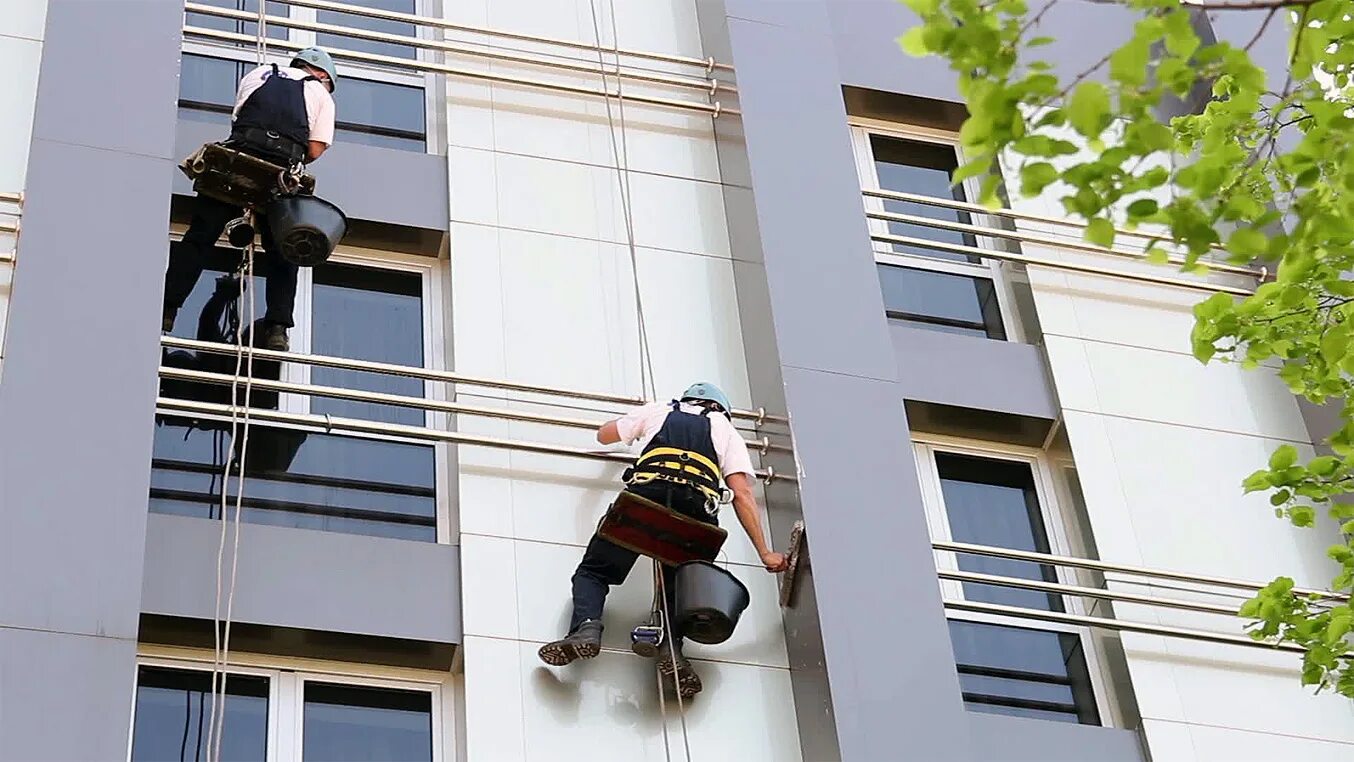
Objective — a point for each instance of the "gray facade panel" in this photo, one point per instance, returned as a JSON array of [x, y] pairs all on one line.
[[874, 576], [79, 389], [64, 697], [808, 203], [97, 89], [971, 372], [1018, 739], [306, 579], [386, 185]]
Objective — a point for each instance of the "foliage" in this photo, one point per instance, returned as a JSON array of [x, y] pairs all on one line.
[[1258, 174]]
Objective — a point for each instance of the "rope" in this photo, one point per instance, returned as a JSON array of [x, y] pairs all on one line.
[[620, 156], [671, 637], [221, 640]]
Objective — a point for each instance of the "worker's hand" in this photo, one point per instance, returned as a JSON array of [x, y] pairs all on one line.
[[775, 562]]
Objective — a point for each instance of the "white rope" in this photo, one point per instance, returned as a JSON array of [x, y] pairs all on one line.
[[621, 158], [671, 637]]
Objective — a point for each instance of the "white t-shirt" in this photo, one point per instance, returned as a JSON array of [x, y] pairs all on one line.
[[641, 424], [319, 103]]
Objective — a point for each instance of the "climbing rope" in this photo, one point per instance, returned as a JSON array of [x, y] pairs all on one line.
[[244, 361], [671, 637]]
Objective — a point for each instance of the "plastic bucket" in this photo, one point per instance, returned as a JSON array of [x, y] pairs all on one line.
[[709, 602], [305, 228]]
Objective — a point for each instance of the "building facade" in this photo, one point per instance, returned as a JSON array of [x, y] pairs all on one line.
[[971, 413]]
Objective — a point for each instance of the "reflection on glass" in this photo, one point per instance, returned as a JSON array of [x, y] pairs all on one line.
[[1022, 672], [362, 724], [364, 313], [298, 479], [352, 20], [941, 301], [993, 502], [925, 169], [173, 708]]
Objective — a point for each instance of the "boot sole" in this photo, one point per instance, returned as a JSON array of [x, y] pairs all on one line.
[[688, 682], [560, 653]]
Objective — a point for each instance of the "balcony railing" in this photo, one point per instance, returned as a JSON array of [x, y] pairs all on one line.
[[606, 63], [1183, 280], [1210, 593], [749, 419]]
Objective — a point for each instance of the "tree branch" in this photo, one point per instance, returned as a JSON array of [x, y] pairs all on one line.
[[1263, 26], [1252, 5], [1035, 19]]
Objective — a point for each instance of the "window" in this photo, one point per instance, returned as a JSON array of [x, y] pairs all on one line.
[[385, 487], [379, 106], [929, 286], [1007, 665], [286, 715]]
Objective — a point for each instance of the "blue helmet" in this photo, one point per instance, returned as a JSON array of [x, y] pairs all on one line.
[[710, 393], [318, 58]]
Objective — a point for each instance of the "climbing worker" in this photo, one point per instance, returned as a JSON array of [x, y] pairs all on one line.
[[284, 116], [699, 424]]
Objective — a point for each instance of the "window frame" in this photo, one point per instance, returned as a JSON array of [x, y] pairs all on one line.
[[287, 677], [988, 269], [427, 81], [435, 300], [1050, 496]]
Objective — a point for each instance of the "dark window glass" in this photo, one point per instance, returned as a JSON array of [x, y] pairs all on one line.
[[361, 724], [173, 709], [355, 21], [1022, 672], [364, 313], [993, 502], [368, 112], [941, 301], [924, 169], [238, 27], [300, 479]]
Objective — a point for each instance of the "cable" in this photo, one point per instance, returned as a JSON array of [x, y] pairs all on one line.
[[620, 156], [671, 636]]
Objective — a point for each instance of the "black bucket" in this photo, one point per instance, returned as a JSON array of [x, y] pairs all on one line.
[[306, 228], [709, 602]]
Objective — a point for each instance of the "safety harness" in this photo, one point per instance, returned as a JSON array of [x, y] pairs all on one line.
[[272, 121], [682, 452]]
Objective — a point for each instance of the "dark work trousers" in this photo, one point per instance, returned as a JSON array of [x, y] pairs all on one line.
[[188, 257], [605, 563]]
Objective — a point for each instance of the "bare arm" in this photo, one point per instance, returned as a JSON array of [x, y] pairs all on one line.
[[745, 505], [608, 433], [314, 150]]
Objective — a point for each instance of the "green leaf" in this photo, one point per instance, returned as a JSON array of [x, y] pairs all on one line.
[[1089, 109], [923, 8], [1280, 497], [1035, 177], [1158, 256], [1100, 232], [913, 42], [1247, 243], [1039, 41], [1283, 457], [1143, 207], [1257, 481], [1128, 64]]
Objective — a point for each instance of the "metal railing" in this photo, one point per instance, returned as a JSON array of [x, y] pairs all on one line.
[[1035, 239], [707, 83], [10, 225], [1143, 576]]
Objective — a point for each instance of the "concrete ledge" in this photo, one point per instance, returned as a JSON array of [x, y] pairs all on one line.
[[307, 580], [1020, 739], [971, 372]]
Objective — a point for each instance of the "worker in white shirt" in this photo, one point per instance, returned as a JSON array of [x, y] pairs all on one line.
[[282, 115], [698, 424]]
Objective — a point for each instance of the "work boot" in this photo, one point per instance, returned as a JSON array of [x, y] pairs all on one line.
[[678, 674], [584, 642], [275, 337]]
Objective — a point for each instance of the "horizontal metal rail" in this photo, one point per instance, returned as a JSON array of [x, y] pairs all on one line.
[[1119, 625], [332, 424], [12, 198], [7, 257], [968, 206], [714, 109], [1102, 566], [429, 374], [8, 227], [1007, 256], [1085, 592], [430, 21], [399, 400], [709, 86], [1013, 235]]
